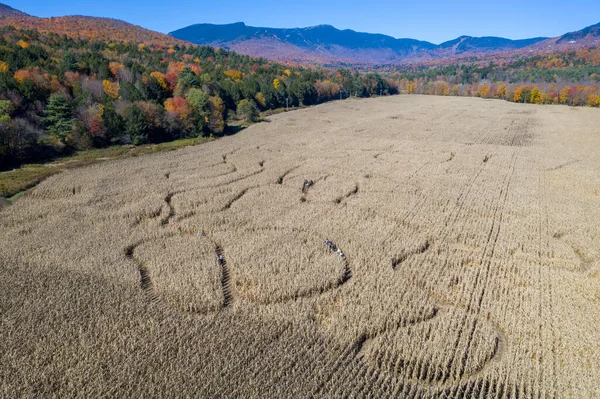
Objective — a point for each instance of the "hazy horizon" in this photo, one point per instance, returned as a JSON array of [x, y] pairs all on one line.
[[433, 21]]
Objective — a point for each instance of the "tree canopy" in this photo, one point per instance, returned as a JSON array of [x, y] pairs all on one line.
[[72, 93]]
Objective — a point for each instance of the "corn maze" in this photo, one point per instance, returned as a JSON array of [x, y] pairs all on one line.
[[411, 247]]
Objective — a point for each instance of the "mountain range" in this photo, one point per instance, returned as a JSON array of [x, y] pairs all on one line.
[[326, 44], [319, 45]]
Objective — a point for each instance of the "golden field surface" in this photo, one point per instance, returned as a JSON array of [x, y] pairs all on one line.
[[470, 269]]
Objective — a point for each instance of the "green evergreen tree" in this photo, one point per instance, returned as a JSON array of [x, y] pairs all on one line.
[[69, 62], [188, 79], [136, 126], [113, 124], [59, 116]]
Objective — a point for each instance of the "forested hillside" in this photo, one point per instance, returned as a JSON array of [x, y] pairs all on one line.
[[59, 93], [571, 78], [92, 28]]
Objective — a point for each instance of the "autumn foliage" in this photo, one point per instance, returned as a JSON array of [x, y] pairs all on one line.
[[234, 74], [92, 28], [122, 92], [179, 107], [111, 89], [570, 78], [160, 78]]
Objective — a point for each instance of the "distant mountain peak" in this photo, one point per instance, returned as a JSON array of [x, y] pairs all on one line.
[[9, 12], [465, 44], [590, 32], [321, 26]]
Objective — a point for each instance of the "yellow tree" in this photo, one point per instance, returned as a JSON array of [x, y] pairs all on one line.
[[23, 44], [536, 96], [111, 88], [234, 74], [594, 100], [160, 78], [501, 91], [564, 95], [261, 100], [483, 91], [441, 88]]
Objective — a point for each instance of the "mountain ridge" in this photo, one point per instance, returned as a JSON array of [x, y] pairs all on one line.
[[7, 11], [592, 30], [320, 38], [344, 45]]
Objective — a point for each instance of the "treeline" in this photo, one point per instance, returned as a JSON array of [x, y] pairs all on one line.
[[568, 67], [60, 94], [571, 78], [574, 95]]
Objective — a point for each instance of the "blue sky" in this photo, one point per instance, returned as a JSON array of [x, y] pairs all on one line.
[[435, 21]]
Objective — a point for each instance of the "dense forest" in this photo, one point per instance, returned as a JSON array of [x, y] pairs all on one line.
[[571, 78], [59, 94]]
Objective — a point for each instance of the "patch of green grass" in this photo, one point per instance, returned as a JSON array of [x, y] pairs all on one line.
[[27, 176], [108, 152], [9, 201], [15, 182], [16, 196], [279, 111], [174, 145]]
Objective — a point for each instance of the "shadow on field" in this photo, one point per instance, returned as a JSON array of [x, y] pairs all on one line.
[[237, 126], [230, 130]]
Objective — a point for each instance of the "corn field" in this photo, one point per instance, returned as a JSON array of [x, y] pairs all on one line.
[[444, 247]]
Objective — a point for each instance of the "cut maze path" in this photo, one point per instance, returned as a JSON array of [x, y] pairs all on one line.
[[225, 277]]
